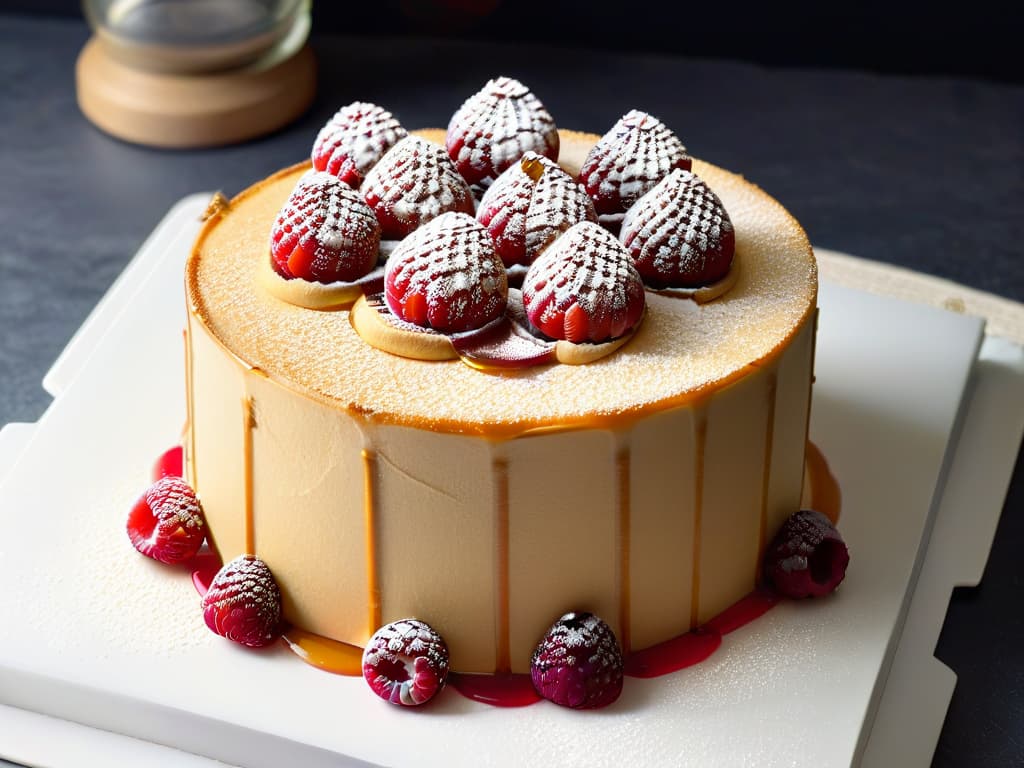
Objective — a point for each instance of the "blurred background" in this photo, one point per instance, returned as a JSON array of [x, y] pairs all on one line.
[[978, 39]]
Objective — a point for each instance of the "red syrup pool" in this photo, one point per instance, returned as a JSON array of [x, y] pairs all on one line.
[[511, 689], [498, 690], [698, 644], [204, 568]]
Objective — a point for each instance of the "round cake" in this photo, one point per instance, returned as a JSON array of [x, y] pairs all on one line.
[[642, 487]]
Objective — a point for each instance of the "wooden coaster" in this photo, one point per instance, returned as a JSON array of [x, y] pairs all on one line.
[[192, 110]]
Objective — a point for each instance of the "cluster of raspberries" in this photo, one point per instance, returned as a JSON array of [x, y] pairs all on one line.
[[493, 198]]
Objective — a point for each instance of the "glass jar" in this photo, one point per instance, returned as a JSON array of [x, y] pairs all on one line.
[[198, 36]]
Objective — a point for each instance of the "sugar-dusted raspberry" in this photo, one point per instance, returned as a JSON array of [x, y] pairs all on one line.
[[679, 234], [415, 182], [529, 205], [447, 276], [167, 523], [584, 287], [495, 127], [637, 153], [558, 204], [502, 211], [324, 233], [807, 557], [243, 603], [406, 662], [354, 140], [578, 664]]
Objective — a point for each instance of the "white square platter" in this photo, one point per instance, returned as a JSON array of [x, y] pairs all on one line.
[[104, 656]]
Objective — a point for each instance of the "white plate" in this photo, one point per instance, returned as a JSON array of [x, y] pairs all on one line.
[[97, 635]]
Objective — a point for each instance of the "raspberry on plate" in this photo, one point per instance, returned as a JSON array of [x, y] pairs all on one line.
[[807, 557], [354, 140], [637, 153], [169, 463], [447, 276], [324, 233], [167, 523], [578, 664], [530, 204], [406, 662], [243, 603], [414, 183], [495, 127], [679, 234], [584, 287]]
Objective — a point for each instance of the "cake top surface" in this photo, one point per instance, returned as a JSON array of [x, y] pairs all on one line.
[[681, 350]]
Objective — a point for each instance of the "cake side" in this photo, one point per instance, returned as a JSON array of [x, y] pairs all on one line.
[[656, 525]]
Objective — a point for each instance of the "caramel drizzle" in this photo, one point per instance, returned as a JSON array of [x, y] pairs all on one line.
[[810, 386], [769, 438], [248, 425], [700, 436], [370, 525], [324, 653], [622, 473], [502, 624], [826, 495], [190, 458]]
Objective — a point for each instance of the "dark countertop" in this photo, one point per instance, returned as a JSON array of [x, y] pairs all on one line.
[[926, 173]]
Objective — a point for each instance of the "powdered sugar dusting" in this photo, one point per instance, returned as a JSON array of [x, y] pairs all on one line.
[[503, 211], [558, 203], [451, 265], [588, 269], [406, 662], [360, 134], [336, 232], [578, 663], [414, 183], [679, 347], [496, 126], [679, 233], [243, 602], [174, 504], [629, 160], [408, 637]]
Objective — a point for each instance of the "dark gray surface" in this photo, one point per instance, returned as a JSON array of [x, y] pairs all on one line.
[[927, 173]]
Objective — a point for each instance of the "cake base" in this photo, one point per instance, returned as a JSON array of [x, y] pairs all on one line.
[[140, 649]]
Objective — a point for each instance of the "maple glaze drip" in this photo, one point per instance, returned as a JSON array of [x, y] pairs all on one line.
[[190, 454], [769, 435], [501, 690], [503, 662], [622, 472], [370, 524], [248, 424], [826, 496], [324, 653], [700, 439]]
